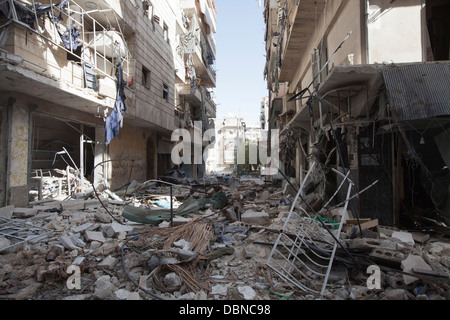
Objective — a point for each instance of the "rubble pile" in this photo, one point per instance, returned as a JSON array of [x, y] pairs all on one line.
[[217, 249]]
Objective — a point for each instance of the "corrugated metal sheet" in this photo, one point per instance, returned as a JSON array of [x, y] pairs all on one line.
[[419, 91]]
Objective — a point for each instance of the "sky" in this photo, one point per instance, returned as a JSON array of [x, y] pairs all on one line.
[[240, 59]]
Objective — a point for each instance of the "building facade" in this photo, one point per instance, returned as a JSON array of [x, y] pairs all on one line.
[[358, 86], [91, 91]]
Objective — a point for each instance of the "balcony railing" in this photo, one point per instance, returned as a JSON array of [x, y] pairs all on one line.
[[68, 26]]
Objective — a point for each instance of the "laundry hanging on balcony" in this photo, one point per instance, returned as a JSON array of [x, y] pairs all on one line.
[[191, 73], [29, 14], [70, 38], [114, 121], [190, 40]]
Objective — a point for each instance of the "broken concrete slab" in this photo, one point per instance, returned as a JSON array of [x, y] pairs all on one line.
[[420, 237], [94, 236], [78, 261], [67, 243], [410, 263], [108, 263], [219, 289], [103, 287], [82, 228], [92, 204], [24, 213], [72, 205], [257, 218], [103, 217], [115, 228], [404, 237], [247, 292]]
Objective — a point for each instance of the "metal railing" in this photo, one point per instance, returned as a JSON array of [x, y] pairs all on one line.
[[67, 25]]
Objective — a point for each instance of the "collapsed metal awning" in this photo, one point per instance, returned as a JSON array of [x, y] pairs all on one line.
[[418, 91]]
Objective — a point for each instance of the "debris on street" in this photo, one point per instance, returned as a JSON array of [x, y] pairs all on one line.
[[230, 239]]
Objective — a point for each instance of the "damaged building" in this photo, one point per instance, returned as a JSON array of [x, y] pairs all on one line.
[[362, 87], [91, 91]]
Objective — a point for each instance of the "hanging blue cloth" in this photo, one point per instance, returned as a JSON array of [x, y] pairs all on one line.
[[115, 120], [112, 125], [70, 38]]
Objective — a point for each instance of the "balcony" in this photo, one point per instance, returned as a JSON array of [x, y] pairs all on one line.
[[70, 50], [301, 21]]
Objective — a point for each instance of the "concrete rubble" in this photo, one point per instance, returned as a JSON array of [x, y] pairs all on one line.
[[212, 253]]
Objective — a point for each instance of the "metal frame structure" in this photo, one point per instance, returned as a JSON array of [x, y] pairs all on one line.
[[20, 232], [74, 15], [304, 251]]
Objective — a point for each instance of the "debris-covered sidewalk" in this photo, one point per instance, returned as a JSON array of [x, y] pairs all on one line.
[[222, 238]]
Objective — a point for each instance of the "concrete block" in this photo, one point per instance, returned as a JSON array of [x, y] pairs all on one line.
[[103, 287], [253, 217], [247, 292], [78, 261], [404, 237], [388, 255], [24, 213], [77, 241], [105, 249], [114, 229], [122, 294], [67, 243], [92, 204], [82, 228], [94, 236], [72, 205], [108, 263], [219, 289]]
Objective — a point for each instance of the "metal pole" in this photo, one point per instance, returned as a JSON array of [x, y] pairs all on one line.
[[171, 206]]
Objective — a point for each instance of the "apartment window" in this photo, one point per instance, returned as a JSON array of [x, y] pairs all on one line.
[[166, 33], [148, 9], [165, 92], [146, 77]]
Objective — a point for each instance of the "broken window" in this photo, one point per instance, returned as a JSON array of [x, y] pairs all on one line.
[[166, 33], [165, 92], [146, 77]]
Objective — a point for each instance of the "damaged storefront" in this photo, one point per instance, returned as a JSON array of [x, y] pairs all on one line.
[[383, 124]]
